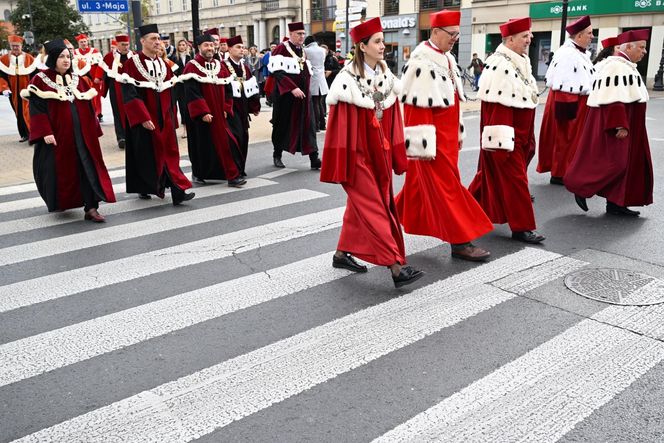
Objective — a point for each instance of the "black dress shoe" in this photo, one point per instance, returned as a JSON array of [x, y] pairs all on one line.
[[144, 196], [556, 181], [581, 202], [347, 262], [315, 163], [612, 208], [197, 180], [532, 198], [178, 199], [122, 143], [237, 182], [407, 276], [528, 237], [278, 163], [23, 139]]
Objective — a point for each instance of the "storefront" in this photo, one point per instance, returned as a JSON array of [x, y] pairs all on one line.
[[400, 39]]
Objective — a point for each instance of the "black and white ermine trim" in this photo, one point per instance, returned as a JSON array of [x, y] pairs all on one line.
[[498, 138], [287, 64], [570, 71], [420, 141], [617, 81]]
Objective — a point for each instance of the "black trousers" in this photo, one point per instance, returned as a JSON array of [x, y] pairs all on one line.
[[319, 111]]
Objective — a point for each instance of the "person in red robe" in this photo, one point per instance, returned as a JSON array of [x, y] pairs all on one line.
[[92, 58], [205, 80], [244, 89], [364, 143], [16, 70], [293, 128], [508, 92], [569, 79], [152, 155], [68, 166], [111, 69], [613, 160], [608, 49], [433, 200]]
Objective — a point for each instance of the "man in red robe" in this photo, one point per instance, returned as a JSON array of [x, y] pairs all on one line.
[[508, 92], [92, 58], [569, 78], [152, 154], [205, 80], [293, 127], [16, 70], [613, 160], [111, 69], [433, 200]]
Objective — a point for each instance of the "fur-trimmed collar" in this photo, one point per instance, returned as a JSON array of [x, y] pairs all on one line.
[[9, 64], [116, 64], [203, 71], [571, 70], [349, 87], [501, 83], [144, 65], [50, 85], [92, 56], [431, 78], [617, 81]]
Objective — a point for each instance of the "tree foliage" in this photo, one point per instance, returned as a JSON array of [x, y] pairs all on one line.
[[146, 8], [51, 19]]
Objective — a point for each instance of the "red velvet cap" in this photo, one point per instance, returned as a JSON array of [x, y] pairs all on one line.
[[114, 42], [122, 38], [80, 37], [578, 25], [15, 39], [297, 26], [634, 36], [213, 31], [223, 40], [445, 18], [234, 40], [515, 26], [611, 41], [366, 29]]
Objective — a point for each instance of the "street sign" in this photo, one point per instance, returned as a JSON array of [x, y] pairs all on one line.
[[341, 13], [338, 44], [108, 6]]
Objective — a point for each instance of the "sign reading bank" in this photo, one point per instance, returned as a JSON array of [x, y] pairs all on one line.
[[595, 7]]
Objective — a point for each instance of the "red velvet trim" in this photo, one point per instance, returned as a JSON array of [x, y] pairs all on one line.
[[136, 112], [198, 108], [616, 117], [285, 85], [40, 127]]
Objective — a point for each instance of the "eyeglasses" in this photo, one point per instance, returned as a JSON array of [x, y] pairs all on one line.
[[454, 34]]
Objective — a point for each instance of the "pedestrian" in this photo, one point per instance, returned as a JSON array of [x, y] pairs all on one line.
[[268, 84], [433, 200], [223, 48], [608, 49], [152, 156], [90, 59], [109, 74], [364, 97], [68, 166], [243, 90], [168, 48], [613, 159], [182, 57], [16, 70], [293, 127], [254, 62], [332, 67], [477, 66], [205, 81], [318, 86], [569, 78], [508, 94]]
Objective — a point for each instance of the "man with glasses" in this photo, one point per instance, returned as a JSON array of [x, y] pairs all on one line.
[[508, 92], [433, 200]]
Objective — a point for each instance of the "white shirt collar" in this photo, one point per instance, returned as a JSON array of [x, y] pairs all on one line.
[[368, 71]]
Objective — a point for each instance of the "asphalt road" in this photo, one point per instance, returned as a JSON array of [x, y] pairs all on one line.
[[223, 320]]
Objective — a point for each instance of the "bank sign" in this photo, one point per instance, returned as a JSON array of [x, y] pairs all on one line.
[[595, 7]]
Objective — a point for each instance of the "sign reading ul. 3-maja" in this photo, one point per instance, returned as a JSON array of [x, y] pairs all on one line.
[[596, 7]]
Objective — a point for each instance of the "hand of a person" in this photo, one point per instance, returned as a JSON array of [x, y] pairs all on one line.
[[207, 118], [50, 140], [297, 92], [148, 125], [622, 133]]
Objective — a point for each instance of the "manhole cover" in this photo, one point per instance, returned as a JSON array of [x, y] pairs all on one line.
[[617, 286]]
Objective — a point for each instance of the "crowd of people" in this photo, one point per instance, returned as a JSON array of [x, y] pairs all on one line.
[[593, 138]]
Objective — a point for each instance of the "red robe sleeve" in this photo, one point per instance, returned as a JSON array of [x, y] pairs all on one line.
[[135, 108], [615, 116], [566, 105], [399, 159], [340, 141]]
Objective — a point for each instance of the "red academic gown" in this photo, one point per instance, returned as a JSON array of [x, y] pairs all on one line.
[[92, 57], [433, 200], [15, 74], [109, 74], [360, 153], [619, 170], [58, 169], [152, 157], [208, 143]]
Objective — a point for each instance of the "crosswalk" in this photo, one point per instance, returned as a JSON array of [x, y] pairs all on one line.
[[240, 281]]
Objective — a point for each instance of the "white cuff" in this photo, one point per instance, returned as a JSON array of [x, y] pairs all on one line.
[[498, 138], [420, 141]]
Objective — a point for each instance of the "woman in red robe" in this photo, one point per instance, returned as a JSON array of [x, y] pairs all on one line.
[[68, 166], [363, 144]]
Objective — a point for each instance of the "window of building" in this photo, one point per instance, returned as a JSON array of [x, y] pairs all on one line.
[[231, 31], [157, 6], [250, 35], [215, 3], [391, 7], [231, 2], [275, 34], [439, 4], [170, 5]]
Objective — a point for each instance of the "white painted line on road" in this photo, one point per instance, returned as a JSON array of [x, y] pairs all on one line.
[[470, 148], [63, 284], [277, 173], [36, 202], [470, 117], [657, 139], [35, 355], [650, 118], [99, 237], [59, 218], [198, 404], [540, 396], [646, 320], [525, 281]]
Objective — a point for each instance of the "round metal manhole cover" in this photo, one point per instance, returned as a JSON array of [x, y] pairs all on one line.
[[617, 286]]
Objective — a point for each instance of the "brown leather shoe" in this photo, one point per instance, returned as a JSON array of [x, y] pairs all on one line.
[[471, 253], [94, 216]]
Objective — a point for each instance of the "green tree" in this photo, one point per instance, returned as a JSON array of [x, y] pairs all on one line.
[[51, 19], [146, 7]]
